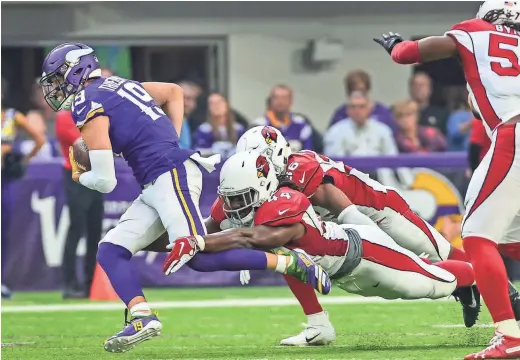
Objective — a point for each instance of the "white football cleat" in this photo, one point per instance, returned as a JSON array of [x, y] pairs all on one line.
[[316, 333]]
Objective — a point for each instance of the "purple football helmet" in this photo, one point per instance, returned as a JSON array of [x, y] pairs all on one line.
[[65, 70]]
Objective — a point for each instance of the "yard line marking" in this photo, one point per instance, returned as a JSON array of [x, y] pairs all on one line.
[[259, 302], [461, 325]]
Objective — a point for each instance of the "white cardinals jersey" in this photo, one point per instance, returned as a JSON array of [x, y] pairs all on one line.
[[490, 56]]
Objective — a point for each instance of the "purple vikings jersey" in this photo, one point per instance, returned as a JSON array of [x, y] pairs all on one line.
[[139, 130], [297, 132]]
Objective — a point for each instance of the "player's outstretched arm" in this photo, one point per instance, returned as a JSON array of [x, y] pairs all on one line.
[[171, 98], [258, 237], [102, 175], [417, 51], [334, 200]]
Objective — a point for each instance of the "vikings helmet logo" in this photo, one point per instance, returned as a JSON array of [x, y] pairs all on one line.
[[269, 135], [262, 167]]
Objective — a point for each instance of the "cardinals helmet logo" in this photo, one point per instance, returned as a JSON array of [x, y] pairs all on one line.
[[269, 135], [262, 167]]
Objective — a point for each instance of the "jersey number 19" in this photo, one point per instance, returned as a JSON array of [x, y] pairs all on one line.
[[136, 94]]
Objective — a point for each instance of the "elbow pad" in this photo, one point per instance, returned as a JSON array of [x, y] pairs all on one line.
[[102, 176], [351, 215]]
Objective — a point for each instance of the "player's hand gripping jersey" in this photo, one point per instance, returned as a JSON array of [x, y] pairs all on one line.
[[490, 55], [384, 205], [360, 259]]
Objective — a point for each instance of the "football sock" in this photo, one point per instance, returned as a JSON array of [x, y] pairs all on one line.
[[462, 270], [115, 261], [305, 295], [140, 310], [320, 318], [508, 327], [491, 277], [229, 260]]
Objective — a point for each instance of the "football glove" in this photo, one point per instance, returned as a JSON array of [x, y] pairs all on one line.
[[76, 171], [182, 250], [245, 276], [388, 41]]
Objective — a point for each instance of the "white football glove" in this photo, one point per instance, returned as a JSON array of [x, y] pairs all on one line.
[[245, 276]]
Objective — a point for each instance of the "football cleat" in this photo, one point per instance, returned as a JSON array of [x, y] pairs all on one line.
[[504, 347], [312, 335], [469, 298], [515, 303], [306, 270], [135, 332]]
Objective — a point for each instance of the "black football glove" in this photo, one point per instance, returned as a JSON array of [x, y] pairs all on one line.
[[388, 41]]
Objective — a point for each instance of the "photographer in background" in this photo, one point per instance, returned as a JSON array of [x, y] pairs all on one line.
[[13, 167]]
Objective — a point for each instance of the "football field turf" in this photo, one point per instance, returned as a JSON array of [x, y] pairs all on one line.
[[238, 323]]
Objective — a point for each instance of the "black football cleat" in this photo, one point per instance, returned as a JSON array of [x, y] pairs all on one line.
[[469, 297]]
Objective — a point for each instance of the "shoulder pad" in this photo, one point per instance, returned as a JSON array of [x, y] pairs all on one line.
[[217, 212], [86, 106], [305, 171], [286, 207], [473, 25]]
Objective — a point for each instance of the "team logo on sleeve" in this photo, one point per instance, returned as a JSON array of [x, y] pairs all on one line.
[[262, 167], [269, 135]]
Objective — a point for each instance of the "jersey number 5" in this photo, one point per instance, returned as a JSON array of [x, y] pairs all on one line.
[[138, 96], [496, 50]]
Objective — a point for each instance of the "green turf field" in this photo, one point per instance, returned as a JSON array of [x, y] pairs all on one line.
[[399, 330]]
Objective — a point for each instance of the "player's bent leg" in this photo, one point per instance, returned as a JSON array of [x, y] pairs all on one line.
[[488, 217], [175, 196], [410, 231], [391, 272], [318, 330], [138, 227]]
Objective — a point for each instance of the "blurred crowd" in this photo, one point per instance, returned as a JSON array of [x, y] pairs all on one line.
[[360, 126]]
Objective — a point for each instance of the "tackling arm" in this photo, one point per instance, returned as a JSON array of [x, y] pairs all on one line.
[[171, 98], [259, 237], [333, 199], [102, 176]]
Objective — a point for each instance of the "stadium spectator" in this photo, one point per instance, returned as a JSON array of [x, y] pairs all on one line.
[[359, 80], [359, 134], [13, 167], [412, 137], [220, 133], [420, 87], [86, 210], [293, 126], [192, 91], [43, 119], [459, 126]]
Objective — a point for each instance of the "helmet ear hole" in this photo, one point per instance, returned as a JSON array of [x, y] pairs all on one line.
[[280, 152]]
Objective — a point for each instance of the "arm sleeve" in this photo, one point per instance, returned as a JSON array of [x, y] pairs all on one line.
[[102, 176]]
